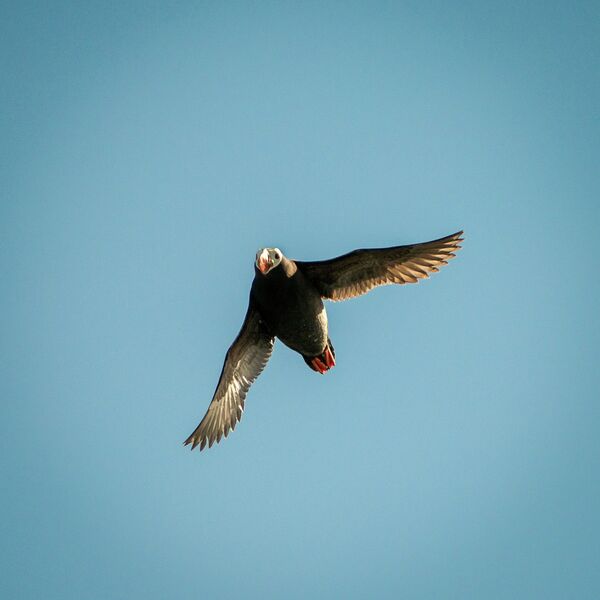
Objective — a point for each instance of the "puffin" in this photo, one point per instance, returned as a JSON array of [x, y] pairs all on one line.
[[286, 302]]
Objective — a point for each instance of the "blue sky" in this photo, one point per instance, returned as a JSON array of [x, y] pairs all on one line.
[[148, 150]]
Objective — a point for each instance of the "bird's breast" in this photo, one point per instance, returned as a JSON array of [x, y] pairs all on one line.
[[294, 312]]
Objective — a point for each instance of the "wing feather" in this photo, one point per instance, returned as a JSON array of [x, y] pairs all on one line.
[[244, 362], [360, 271]]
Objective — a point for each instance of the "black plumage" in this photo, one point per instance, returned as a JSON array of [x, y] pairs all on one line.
[[286, 301]]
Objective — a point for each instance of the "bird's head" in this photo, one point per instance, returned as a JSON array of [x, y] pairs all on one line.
[[267, 259]]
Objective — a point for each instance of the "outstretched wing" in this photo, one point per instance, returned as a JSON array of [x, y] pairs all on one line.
[[244, 362], [357, 272]]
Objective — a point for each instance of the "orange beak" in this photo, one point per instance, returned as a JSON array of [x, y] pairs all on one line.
[[264, 262]]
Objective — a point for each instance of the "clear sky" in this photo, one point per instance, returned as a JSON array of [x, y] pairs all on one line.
[[149, 149]]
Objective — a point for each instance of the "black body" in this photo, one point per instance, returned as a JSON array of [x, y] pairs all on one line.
[[291, 308]]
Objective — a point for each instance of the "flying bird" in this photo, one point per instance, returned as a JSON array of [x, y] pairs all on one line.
[[286, 301]]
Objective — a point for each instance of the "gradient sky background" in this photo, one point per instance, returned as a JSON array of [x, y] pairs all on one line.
[[147, 151]]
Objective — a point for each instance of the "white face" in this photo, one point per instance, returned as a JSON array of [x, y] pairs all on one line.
[[267, 259]]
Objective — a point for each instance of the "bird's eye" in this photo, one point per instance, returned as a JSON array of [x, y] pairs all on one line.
[[277, 255]]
